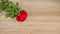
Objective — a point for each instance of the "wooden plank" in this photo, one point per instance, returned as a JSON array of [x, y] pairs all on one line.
[[43, 18]]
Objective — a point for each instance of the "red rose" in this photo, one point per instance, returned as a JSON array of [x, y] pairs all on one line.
[[22, 16]]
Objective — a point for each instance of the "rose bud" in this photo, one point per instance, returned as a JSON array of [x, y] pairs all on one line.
[[22, 16]]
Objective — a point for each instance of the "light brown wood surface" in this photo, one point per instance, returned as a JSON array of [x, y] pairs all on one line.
[[43, 18]]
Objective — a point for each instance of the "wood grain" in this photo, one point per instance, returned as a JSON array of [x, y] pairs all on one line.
[[43, 18]]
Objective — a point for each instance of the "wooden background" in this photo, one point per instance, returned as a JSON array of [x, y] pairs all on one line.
[[43, 18]]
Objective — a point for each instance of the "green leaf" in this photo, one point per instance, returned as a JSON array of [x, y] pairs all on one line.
[[12, 10], [1, 9], [7, 15], [6, 0], [17, 3]]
